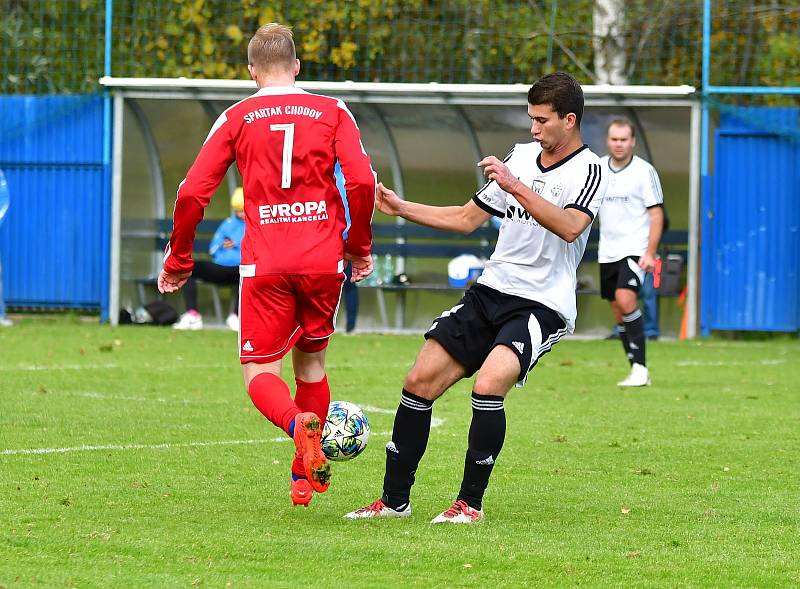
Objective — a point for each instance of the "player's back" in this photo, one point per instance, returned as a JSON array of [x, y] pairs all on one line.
[[286, 143]]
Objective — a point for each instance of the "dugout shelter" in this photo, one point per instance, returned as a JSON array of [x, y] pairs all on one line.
[[424, 140]]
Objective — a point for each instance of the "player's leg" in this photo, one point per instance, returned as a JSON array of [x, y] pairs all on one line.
[[317, 305], [312, 395], [433, 373], [625, 300], [521, 341], [268, 331], [447, 356], [609, 278]]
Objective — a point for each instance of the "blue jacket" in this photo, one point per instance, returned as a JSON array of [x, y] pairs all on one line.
[[233, 229]]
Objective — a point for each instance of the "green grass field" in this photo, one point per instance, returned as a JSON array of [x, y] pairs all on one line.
[[132, 457]]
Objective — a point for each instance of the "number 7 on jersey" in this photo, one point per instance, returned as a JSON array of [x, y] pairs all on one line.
[[288, 145]]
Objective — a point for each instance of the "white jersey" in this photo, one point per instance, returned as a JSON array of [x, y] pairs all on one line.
[[624, 219], [529, 261]]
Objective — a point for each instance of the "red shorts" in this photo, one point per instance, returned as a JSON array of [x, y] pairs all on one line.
[[277, 312]]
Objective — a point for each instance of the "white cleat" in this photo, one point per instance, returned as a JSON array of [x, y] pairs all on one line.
[[190, 321], [379, 509], [639, 377], [232, 322], [459, 513]]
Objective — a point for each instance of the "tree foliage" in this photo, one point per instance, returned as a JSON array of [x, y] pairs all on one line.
[[58, 45]]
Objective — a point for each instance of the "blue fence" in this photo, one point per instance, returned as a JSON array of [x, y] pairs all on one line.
[[751, 233], [55, 237]]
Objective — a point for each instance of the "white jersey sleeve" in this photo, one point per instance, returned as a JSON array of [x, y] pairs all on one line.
[[590, 196], [651, 188], [491, 198]]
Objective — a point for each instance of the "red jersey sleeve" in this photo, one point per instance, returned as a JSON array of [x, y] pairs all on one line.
[[359, 182], [195, 192]]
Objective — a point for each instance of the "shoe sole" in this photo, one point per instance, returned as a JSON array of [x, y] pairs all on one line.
[[316, 466]]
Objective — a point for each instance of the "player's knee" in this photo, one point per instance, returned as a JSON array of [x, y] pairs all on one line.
[[495, 384], [625, 301], [422, 385]]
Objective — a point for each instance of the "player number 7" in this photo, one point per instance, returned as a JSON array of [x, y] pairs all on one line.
[[288, 145]]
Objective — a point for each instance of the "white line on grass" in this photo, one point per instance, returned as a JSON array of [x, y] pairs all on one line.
[[159, 368], [165, 446], [112, 365], [107, 397], [765, 362]]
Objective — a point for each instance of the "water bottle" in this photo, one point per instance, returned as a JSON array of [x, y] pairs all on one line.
[[374, 278], [388, 269]]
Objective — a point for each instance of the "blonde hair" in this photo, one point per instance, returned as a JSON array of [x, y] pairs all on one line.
[[272, 47], [237, 199]]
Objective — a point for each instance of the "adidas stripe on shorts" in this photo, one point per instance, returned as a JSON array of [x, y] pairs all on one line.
[[485, 318], [624, 273]]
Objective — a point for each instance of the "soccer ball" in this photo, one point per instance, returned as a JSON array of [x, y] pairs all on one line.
[[346, 431]]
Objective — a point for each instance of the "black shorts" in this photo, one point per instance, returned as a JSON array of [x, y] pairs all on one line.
[[624, 273], [485, 318]]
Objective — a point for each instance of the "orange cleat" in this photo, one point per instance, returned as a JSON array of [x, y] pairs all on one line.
[[302, 493], [307, 438]]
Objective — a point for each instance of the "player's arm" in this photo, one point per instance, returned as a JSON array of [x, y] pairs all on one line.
[[567, 223], [648, 261], [653, 199], [359, 183], [194, 194], [459, 219]]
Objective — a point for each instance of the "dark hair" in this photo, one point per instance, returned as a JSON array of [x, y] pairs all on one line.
[[562, 92], [622, 122]]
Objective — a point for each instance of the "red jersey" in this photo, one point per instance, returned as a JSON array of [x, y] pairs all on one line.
[[285, 142]]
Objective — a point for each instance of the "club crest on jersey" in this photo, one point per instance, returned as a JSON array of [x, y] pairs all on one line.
[[538, 186], [297, 212], [557, 190]]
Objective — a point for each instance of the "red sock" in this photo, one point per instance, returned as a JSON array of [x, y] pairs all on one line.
[[311, 396], [272, 397]]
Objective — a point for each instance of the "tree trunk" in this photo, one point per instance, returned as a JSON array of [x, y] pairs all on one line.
[[609, 43]]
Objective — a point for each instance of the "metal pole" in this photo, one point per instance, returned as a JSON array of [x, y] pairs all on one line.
[[108, 311], [692, 270], [116, 201], [705, 196]]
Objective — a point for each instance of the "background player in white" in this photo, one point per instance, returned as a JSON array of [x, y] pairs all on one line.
[[285, 142], [631, 221], [547, 193]]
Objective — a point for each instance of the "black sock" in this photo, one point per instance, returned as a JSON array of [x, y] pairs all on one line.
[[412, 426], [486, 435], [623, 337], [634, 326]]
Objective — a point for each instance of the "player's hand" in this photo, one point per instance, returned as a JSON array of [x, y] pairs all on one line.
[[227, 243], [494, 169], [168, 282], [387, 201], [362, 267], [647, 262]]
